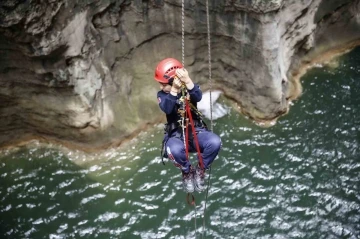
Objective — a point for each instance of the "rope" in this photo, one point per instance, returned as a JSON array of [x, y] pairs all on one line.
[[195, 217], [210, 88], [183, 32], [207, 193], [183, 116], [195, 139], [183, 56], [211, 108], [209, 58]]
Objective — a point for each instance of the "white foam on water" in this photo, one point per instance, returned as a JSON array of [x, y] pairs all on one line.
[[219, 110]]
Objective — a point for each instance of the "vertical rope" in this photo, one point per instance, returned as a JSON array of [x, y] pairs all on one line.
[[209, 58], [183, 59], [207, 193], [183, 32], [183, 63], [211, 108], [195, 218]]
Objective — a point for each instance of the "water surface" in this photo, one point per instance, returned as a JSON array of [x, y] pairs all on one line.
[[297, 179]]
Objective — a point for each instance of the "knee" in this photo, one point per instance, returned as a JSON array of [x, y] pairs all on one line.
[[215, 142], [175, 150]]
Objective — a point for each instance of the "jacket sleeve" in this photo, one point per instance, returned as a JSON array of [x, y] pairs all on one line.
[[166, 102], [195, 93]]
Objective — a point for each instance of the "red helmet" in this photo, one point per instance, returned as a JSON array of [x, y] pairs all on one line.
[[165, 70]]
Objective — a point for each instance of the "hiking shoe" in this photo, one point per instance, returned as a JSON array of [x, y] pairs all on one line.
[[188, 181], [199, 179]]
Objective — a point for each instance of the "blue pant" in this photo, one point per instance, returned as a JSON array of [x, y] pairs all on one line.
[[209, 144]]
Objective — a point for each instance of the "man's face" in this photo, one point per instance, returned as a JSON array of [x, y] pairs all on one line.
[[165, 87]]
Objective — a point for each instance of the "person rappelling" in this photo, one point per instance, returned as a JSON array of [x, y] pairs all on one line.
[[185, 130]]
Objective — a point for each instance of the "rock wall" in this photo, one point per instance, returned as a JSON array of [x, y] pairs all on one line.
[[82, 71]]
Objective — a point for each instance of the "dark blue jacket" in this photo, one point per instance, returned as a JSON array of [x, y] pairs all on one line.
[[170, 104]]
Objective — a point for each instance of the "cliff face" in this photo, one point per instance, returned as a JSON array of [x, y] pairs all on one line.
[[82, 71]]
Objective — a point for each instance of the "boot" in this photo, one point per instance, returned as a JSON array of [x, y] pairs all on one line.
[[188, 181], [199, 179]]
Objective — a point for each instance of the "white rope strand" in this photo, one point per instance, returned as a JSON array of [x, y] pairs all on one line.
[[183, 62], [183, 32], [211, 108], [209, 57]]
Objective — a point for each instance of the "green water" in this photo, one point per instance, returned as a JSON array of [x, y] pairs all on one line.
[[297, 179]]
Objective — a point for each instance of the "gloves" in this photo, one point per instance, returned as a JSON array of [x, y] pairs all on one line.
[[183, 75]]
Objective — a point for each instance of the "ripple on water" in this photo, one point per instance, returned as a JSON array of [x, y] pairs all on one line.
[[297, 179]]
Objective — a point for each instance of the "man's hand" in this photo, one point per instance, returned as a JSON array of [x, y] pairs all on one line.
[[183, 75], [176, 85]]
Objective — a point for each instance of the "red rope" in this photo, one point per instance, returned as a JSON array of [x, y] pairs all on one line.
[[186, 134], [190, 196], [188, 110]]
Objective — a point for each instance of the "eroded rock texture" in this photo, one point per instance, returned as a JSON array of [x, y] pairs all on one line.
[[81, 71]]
